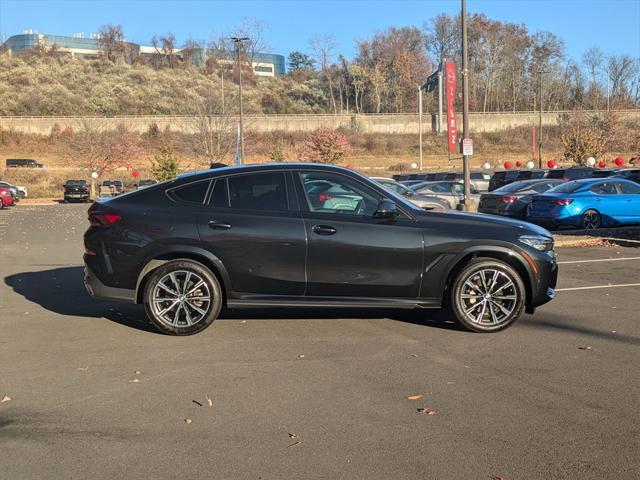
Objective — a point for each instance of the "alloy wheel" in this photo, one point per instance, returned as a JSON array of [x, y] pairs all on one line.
[[181, 298], [591, 220], [488, 297]]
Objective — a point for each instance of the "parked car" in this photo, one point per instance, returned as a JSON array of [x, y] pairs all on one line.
[[512, 199], [22, 163], [15, 190], [428, 202], [451, 192], [632, 174], [505, 177], [604, 173], [480, 180], [76, 191], [262, 235], [145, 183], [111, 188], [587, 203], [572, 173], [6, 198], [411, 183]]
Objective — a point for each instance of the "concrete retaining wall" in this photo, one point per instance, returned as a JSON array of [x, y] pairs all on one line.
[[406, 123]]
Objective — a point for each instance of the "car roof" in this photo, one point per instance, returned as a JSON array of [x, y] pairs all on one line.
[[258, 167]]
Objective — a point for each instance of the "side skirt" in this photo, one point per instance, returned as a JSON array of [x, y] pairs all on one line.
[[257, 301]]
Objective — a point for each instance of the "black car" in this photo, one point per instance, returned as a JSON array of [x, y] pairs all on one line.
[[269, 235], [511, 200], [572, 173], [500, 179], [604, 173], [632, 174], [76, 191], [144, 183]]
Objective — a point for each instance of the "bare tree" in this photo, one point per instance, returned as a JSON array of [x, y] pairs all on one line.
[[323, 48], [213, 128], [111, 42], [593, 59], [622, 70]]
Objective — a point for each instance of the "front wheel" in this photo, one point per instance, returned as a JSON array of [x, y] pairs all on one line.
[[487, 295], [182, 297]]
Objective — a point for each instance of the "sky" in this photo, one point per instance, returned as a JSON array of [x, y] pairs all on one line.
[[613, 25]]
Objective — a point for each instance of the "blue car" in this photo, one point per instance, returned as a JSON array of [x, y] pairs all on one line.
[[588, 203]]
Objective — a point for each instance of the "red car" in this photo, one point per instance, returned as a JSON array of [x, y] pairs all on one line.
[[6, 197]]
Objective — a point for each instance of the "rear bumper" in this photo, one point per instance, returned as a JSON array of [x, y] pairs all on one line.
[[99, 290]]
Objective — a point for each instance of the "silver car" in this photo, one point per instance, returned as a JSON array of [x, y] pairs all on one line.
[[451, 192], [429, 202]]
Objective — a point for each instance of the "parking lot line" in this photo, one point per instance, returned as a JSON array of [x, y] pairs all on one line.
[[592, 287], [599, 260]]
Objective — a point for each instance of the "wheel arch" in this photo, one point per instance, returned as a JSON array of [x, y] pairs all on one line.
[[506, 255], [204, 257]]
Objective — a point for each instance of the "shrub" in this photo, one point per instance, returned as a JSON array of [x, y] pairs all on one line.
[[165, 165], [325, 146]]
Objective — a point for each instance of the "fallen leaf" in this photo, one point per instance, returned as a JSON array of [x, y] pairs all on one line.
[[293, 435], [197, 403], [417, 396], [300, 356], [414, 355], [243, 321], [294, 444], [6, 398], [210, 402], [426, 411], [497, 478], [137, 372], [84, 369], [187, 421], [135, 380], [588, 347]]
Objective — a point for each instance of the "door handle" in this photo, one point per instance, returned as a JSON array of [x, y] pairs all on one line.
[[324, 229], [214, 224]]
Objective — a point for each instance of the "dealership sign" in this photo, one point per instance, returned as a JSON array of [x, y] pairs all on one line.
[[452, 126]]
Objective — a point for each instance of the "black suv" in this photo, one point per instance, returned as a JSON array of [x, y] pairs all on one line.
[[300, 235], [500, 179], [76, 191], [572, 173]]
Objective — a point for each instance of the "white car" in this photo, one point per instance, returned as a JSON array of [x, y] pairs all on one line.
[[449, 191]]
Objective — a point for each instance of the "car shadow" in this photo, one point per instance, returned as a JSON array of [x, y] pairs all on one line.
[[61, 290]]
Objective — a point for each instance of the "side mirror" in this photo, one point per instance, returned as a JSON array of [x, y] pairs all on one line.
[[386, 209]]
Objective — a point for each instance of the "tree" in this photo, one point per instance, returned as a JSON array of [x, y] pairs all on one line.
[[165, 165], [299, 61], [325, 146], [585, 135], [213, 128], [111, 42], [593, 59], [323, 47]]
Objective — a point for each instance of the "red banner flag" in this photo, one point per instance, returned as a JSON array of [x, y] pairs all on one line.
[[452, 126]]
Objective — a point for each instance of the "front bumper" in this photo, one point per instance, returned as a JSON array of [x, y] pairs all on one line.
[[543, 288], [99, 290]]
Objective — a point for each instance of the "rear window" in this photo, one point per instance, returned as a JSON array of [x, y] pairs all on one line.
[[192, 193], [567, 187], [556, 174], [76, 183], [512, 187], [258, 191]]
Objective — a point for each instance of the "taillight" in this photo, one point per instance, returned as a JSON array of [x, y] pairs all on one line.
[[324, 198], [508, 199], [103, 219], [563, 202]]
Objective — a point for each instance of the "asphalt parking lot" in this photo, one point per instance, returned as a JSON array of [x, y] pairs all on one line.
[[310, 394]]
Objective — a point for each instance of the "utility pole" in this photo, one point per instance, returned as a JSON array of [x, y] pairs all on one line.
[[465, 106], [238, 41], [440, 96], [420, 121], [540, 72], [608, 80]]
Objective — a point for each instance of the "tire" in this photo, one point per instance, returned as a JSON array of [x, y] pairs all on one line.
[[591, 220], [473, 285], [21, 195], [170, 309]]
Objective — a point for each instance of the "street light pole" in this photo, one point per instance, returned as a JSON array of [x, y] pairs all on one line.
[[238, 41], [465, 106], [420, 121], [440, 96], [540, 72]]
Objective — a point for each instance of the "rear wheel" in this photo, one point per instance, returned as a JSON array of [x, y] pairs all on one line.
[[591, 220], [182, 297], [487, 295]]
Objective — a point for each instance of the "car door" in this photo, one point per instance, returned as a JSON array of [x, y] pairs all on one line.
[[630, 199], [351, 253], [608, 201], [252, 224]]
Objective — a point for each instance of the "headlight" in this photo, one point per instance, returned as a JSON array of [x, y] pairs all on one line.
[[539, 242]]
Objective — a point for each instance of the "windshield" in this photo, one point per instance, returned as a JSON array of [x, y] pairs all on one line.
[[512, 187], [76, 183], [566, 187]]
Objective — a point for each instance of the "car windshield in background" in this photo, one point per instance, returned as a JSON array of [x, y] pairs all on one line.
[[76, 183], [566, 187]]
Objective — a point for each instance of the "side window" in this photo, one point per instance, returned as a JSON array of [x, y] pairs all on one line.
[[607, 188], [192, 193], [258, 191], [219, 195], [457, 188], [332, 193], [629, 188]]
